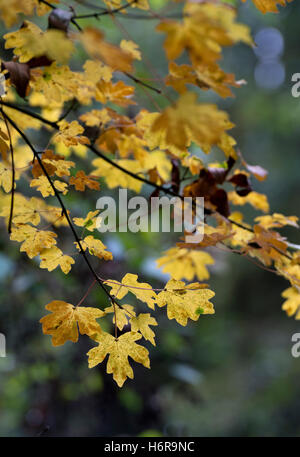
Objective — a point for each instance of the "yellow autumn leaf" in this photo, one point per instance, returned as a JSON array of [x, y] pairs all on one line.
[[184, 303], [62, 167], [277, 220], [56, 83], [129, 283], [5, 177], [65, 320], [189, 121], [141, 324], [118, 93], [292, 303], [42, 184], [119, 349], [95, 247], [204, 30], [269, 6], [70, 134], [34, 240], [94, 71], [54, 257], [184, 263], [89, 222], [132, 48], [30, 41], [113, 56], [117, 178], [255, 199], [120, 315]]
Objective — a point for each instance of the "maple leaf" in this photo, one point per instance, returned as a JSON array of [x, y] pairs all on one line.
[[34, 240], [292, 303], [118, 93], [203, 32], [60, 165], [54, 257], [205, 76], [239, 236], [94, 71], [70, 134], [5, 177], [129, 283], [42, 184], [269, 6], [132, 48], [258, 201], [184, 303], [56, 83], [50, 168], [65, 320], [30, 41], [121, 315], [81, 180], [10, 11], [289, 268], [183, 263], [95, 247], [113, 56], [117, 178], [119, 349], [189, 121], [141, 324], [277, 220], [25, 210], [266, 245], [89, 222]]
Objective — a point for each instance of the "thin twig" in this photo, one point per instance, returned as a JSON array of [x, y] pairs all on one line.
[[64, 210], [13, 176]]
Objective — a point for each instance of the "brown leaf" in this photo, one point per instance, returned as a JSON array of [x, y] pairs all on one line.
[[19, 74]]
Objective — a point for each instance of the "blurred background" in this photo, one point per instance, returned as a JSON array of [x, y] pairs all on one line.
[[231, 374]]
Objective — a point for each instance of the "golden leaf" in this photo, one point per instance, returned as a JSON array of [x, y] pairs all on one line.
[[184, 263], [65, 320], [119, 349], [34, 240], [141, 324], [54, 257], [129, 283], [184, 303], [95, 247]]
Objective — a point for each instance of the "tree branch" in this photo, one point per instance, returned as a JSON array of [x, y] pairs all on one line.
[[64, 210]]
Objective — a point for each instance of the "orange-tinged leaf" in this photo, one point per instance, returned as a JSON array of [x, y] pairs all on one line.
[[65, 320], [81, 180], [269, 6]]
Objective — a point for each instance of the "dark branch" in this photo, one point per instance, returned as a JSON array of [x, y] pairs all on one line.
[[64, 210]]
